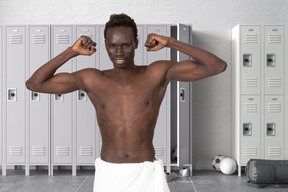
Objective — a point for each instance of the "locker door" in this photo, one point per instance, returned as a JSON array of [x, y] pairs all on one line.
[[1, 91], [250, 59], [250, 132], [39, 113], [160, 133], [139, 52], [85, 112], [274, 127], [15, 90], [61, 112], [274, 59], [105, 62], [183, 103]]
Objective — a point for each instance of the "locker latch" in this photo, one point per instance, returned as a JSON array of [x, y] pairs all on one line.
[[35, 96], [270, 60], [247, 129], [59, 97], [12, 96], [270, 129], [182, 94], [247, 60], [82, 96]]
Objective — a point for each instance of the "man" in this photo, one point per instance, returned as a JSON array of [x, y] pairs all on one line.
[[127, 99]]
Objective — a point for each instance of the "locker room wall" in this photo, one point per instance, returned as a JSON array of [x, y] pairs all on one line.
[[212, 22]]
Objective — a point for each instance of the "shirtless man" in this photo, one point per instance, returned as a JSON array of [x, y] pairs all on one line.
[[127, 98]]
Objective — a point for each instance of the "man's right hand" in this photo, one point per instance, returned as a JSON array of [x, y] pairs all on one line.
[[84, 46]]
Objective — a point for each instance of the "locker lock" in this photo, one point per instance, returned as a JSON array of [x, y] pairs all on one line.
[[247, 129], [270, 60], [35, 96], [82, 96], [270, 129], [11, 94]]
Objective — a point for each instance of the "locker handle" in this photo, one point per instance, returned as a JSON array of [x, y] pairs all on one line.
[[182, 94], [82, 96], [35, 96], [12, 94]]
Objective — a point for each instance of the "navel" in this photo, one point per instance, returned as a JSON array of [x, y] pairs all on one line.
[[103, 106], [146, 102]]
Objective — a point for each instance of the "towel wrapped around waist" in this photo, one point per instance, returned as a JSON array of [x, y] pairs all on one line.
[[130, 177]]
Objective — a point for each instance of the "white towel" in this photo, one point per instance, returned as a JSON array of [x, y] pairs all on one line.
[[130, 177]]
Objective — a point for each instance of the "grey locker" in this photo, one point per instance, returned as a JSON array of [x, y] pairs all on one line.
[[87, 135], [183, 104], [250, 125], [250, 59], [274, 59], [274, 127], [161, 133], [15, 94], [61, 104], [39, 103], [1, 91]]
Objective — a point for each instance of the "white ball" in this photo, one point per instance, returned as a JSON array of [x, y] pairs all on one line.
[[227, 166], [216, 162]]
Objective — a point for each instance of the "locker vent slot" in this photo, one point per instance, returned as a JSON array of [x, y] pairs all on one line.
[[274, 38], [15, 39], [250, 38], [38, 39], [86, 151], [38, 151], [250, 107], [62, 151], [159, 151], [250, 151], [274, 151], [250, 82], [15, 151], [274, 108], [274, 82], [62, 39]]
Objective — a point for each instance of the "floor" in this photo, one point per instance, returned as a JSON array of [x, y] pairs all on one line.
[[62, 181]]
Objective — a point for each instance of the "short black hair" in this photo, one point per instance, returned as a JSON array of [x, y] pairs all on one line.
[[121, 20]]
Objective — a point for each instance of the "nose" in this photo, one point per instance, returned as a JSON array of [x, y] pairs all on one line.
[[119, 50]]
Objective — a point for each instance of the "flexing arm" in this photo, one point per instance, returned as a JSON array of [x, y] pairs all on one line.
[[44, 80], [205, 64]]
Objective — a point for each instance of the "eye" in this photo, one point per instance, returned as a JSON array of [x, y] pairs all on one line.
[[126, 46], [112, 46]]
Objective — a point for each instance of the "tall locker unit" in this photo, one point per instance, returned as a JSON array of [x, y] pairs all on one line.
[[87, 133], [274, 92], [181, 105], [38, 104], [61, 104], [1, 90], [14, 123], [258, 93], [161, 139]]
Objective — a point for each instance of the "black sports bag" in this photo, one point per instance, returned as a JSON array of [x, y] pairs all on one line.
[[267, 172]]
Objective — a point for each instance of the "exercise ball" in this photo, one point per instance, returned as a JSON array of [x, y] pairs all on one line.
[[227, 166]]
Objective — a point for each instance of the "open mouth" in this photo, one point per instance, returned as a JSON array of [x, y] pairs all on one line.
[[119, 61]]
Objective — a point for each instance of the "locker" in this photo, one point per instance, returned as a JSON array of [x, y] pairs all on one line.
[[161, 133], [274, 127], [15, 98], [250, 61], [183, 104], [274, 59], [250, 138], [39, 123], [1, 91], [87, 136], [61, 104]]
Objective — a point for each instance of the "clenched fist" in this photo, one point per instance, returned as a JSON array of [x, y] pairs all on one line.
[[84, 46]]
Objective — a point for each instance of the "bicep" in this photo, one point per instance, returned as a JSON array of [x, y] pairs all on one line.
[[61, 83], [187, 71]]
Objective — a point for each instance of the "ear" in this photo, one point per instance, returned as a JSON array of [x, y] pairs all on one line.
[[136, 43]]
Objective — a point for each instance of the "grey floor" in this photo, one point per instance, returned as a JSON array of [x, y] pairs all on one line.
[[62, 181]]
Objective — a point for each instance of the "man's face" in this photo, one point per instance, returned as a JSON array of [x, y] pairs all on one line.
[[120, 45]]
